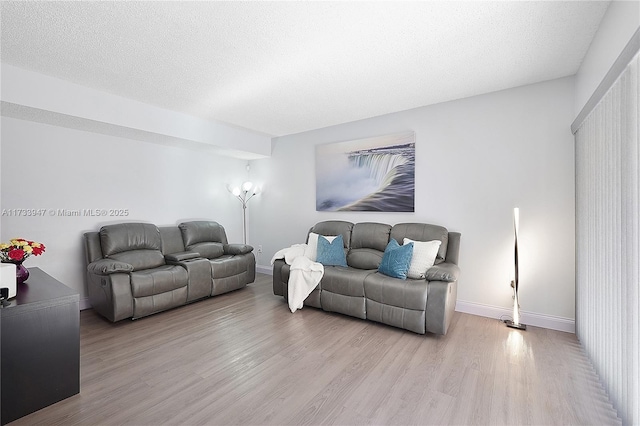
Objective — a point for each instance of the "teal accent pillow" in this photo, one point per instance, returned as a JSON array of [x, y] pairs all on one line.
[[331, 253], [396, 260]]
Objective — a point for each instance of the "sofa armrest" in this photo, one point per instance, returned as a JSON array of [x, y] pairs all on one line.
[[447, 272], [109, 266], [441, 304], [182, 256], [110, 295], [237, 249]]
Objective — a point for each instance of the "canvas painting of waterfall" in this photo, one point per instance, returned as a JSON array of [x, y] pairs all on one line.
[[373, 174]]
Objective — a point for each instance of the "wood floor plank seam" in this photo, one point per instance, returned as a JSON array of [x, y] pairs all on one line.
[[243, 358]]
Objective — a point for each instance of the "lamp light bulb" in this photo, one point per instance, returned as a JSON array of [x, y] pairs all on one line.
[[246, 187], [236, 191]]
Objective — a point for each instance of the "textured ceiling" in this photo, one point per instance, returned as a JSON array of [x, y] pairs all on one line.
[[287, 67]]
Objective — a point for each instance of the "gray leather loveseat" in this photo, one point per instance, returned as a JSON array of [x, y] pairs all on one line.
[[138, 269], [359, 290]]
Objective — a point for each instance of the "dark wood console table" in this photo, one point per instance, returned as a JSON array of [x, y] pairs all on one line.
[[40, 345]]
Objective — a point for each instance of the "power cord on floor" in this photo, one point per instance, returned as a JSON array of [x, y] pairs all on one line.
[[505, 318]]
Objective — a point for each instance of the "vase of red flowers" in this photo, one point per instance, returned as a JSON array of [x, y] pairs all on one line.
[[17, 251]]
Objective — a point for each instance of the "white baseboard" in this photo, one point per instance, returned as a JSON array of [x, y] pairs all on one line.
[[84, 303], [530, 318], [264, 269]]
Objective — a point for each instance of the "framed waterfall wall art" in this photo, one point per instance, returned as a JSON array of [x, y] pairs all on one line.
[[373, 174]]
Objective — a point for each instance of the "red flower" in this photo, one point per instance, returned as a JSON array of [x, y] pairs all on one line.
[[19, 249], [16, 254]]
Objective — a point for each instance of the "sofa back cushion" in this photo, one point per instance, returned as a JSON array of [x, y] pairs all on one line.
[[423, 232], [334, 228], [171, 239], [368, 242], [202, 232], [137, 244], [92, 248]]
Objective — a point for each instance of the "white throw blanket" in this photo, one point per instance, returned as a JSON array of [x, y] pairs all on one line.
[[304, 274]]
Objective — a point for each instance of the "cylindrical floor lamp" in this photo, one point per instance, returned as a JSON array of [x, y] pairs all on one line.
[[516, 281]]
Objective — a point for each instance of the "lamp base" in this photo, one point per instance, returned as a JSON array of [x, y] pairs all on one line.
[[514, 325]]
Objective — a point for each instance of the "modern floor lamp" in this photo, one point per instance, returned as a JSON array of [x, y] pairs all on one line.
[[244, 193], [516, 306]]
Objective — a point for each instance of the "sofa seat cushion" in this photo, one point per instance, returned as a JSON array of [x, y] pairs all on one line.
[[409, 294], [228, 266], [209, 250], [345, 281], [158, 280]]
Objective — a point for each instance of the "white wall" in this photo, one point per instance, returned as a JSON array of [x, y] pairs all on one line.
[[49, 167], [477, 158], [38, 97], [619, 23]]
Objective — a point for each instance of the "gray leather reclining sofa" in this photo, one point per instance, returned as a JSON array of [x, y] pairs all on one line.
[[359, 290], [138, 269]]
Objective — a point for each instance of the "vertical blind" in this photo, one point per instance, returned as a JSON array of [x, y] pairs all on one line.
[[608, 240]]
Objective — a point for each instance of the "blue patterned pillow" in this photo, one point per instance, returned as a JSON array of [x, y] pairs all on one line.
[[396, 260], [331, 253]]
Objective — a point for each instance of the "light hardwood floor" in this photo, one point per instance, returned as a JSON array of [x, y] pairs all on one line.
[[243, 358]]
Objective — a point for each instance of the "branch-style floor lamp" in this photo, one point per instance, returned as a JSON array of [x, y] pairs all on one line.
[[516, 306], [244, 193]]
